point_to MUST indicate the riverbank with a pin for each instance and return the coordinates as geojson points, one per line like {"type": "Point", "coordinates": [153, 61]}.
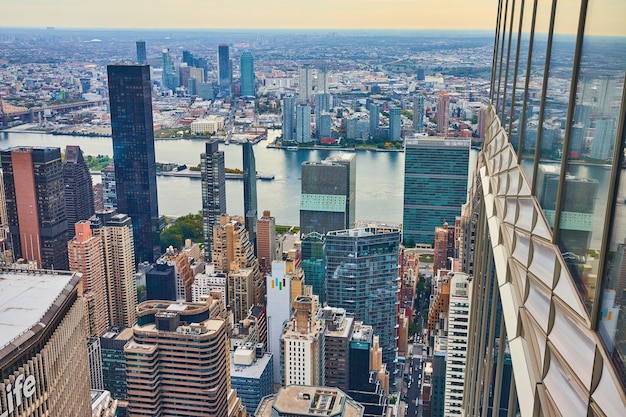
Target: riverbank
{"type": "Point", "coordinates": [333, 148]}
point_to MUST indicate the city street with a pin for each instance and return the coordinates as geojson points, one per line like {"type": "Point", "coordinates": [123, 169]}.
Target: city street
{"type": "Point", "coordinates": [414, 383]}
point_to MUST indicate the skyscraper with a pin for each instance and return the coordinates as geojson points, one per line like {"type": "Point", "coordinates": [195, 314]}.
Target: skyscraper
{"type": "Point", "coordinates": [443, 114]}
{"type": "Point", "coordinates": [166, 335]}
{"type": "Point", "coordinates": [35, 199]}
{"type": "Point", "coordinates": [418, 113]}
{"type": "Point", "coordinates": [435, 185]}
{"type": "Point", "coordinates": [44, 368]}
{"type": "Point", "coordinates": [130, 97]}
{"type": "Point", "coordinates": [314, 263]}
{"type": "Point", "coordinates": [78, 188]}
{"type": "Point", "coordinates": [361, 277]}
{"type": "Point", "coordinates": [115, 230]}
{"type": "Point", "coordinates": [395, 124]}
{"type": "Point", "coordinates": [303, 124]}
{"type": "Point", "coordinates": [305, 84]}
{"type": "Point", "coordinates": [170, 77]}
{"type": "Point", "coordinates": [141, 52]}
{"type": "Point", "coordinates": [550, 302]}
{"type": "Point", "coordinates": [247, 75]}
{"type": "Point", "coordinates": [266, 241]}
{"type": "Point", "coordinates": [224, 71]}
{"type": "Point", "coordinates": [303, 333]}
{"type": "Point", "coordinates": [327, 201]}
{"type": "Point", "coordinates": [374, 110]}
{"type": "Point", "coordinates": [289, 104]}
{"type": "Point", "coordinates": [109, 190]}
{"type": "Point", "coordinates": [249, 191]}
{"type": "Point", "coordinates": [213, 192]}
{"type": "Point", "coordinates": [86, 255]}
{"type": "Point", "coordinates": [233, 249]}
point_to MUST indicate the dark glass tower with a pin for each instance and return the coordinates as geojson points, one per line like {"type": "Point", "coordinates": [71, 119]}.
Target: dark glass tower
{"type": "Point", "coordinates": [249, 191]}
{"type": "Point", "coordinates": [314, 264]}
{"type": "Point", "coordinates": [361, 276]}
{"type": "Point", "coordinates": [133, 153]}
{"type": "Point", "coordinates": [33, 186]}
{"type": "Point", "coordinates": [328, 194]}
{"type": "Point", "coordinates": [141, 53]}
{"type": "Point", "coordinates": [435, 186]}
{"type": "Point", "coordinates": [224, 72]}
{"type": "Point", "coordinates": [78, 188]}
{"type": "Point", "coordinates": [213, 193]}
{"type": "Point", "coordinates": [247, 75]}
{"type": "Point", "coordinates": [289, 104]}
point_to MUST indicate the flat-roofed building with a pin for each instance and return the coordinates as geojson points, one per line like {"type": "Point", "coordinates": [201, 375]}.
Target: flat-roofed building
{"type": "Point", "coordinates": [44, 370]}
{"type": "Point", "coordinates": [309, 401]}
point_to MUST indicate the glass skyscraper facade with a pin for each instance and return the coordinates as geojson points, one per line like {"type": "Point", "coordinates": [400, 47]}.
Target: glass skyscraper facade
{"type": "Point", "coordinates": [314, 264]}
{"type": "Point", "coordinates": [141, 52]}
{"type": "Point", "coordinates": [435, 186]}
{"type": "Point", "coordinates": [327, 201]}
{"type": "Point", "coordinates": [247, 75]}
{"type": "Point", "coordinates": [213, 175]}
{"type": "Point", "coordinates": [303, 124]}
{"type": "Point", "coordinates": [362, 278]}
{"type": "Point", "coordinates": [224, 70]}
{"type": "Point", "coordinates": [130, 98]}
{"type": "Point", "coordinates": [289, 104]}
{"type": "Point", "coordinates": [249, 191]}
{"type": "Point", "coordinates": [548, 215]}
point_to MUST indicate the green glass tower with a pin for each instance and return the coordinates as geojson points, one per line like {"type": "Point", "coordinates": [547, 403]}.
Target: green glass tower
{"type": "Point", "coordinates": [435, 186]}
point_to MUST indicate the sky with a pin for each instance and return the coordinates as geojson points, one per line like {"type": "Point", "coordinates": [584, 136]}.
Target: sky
{"type": "Point", "coordinates": [605, 17]}
{"type": "Point", "coordinates": [253, 14]}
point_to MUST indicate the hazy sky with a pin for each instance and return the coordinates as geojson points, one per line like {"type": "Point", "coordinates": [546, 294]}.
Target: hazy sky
{"type": "Point", "coordinates": [605, 17]}
{"type": "Point", "coordinates": [216, 14]}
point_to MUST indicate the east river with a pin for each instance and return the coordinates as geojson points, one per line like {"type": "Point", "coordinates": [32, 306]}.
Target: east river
{"type": "Point", "coordinates": [379, 178]}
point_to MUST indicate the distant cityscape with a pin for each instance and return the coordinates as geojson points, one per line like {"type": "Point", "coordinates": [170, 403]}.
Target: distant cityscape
{"type": "Point", "coordinates": [491, 282]}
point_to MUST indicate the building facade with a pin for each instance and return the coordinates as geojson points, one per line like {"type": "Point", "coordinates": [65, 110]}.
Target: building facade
{"type": "Point", "coordinates": [302, 345]}
{"type": "Point", "coordinates": [116, 233]}
{"type": "Point", "coordinates": [213, 175]}
{"type": "Point", "coordinates": [247, 75]}
{"type": "Point", "coordinates": [44, 369]}
{"type": "Point", "coordinates": [362, 278]}
{"type": "Point", "coordinates": [553, 304]}
{"type": "Point", "coordinates": [157, 385]}
{"type": "Point", "coordinates": [33, 177]}
{"type": "Point", "coordinates": [418, 113]}
{"type": "Point", "coordinates": [78, 188]}
{"type": "Point", "coordinates": [141, 52]}
{"type": "Point", "coordinates": [289, 105]}
{"type": "Point", "coordinates": [133, 154]}
{"type": "Point", "coordinates": [86, 255]}
{"type": "Point", "coordinates": [395, 124]}
{"type": "Point", "coordinates": [266, 244]}
{"type": "Point", "coordinates": [303, 124]}
{"type": "Point", "coordinates": [249, 192]}
{"type": "Point", "coordinates": [327, 200]}
{"type": "Point", "coordinates": [314, 263]}
{"type": "Point", "coordinates": [435, 186]}
{"type": "Point", "coordinates": [224, 71]}
{"type": "Point", "coordinates": [443, 114]}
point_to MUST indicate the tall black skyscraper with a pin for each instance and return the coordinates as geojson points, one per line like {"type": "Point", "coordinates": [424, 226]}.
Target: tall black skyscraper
{"type": "Point", "coordinates": [130, 99]}
{"type": "Point", "coordinates": [78, 188]}
{"type": "Point", "coordinates": [213, 193]}
{"type": "Point", "coordinates": [224, 70]}
{"type": "Point", "coordinates": [249, 191]}
{"type": "Point", "coordinates": [141, 53]}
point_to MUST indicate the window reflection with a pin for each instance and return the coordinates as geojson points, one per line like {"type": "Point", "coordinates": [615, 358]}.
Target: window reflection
{"type": "Point", "coordinates": [593, 143]}
{"type": "Point", "coordinates": [535, 85]}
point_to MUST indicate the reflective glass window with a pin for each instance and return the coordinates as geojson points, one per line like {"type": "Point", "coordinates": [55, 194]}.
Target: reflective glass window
{"type": "Point", "coordinates": [598, 113]}
{"type": "Point", "coordinates": [535, 84]}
